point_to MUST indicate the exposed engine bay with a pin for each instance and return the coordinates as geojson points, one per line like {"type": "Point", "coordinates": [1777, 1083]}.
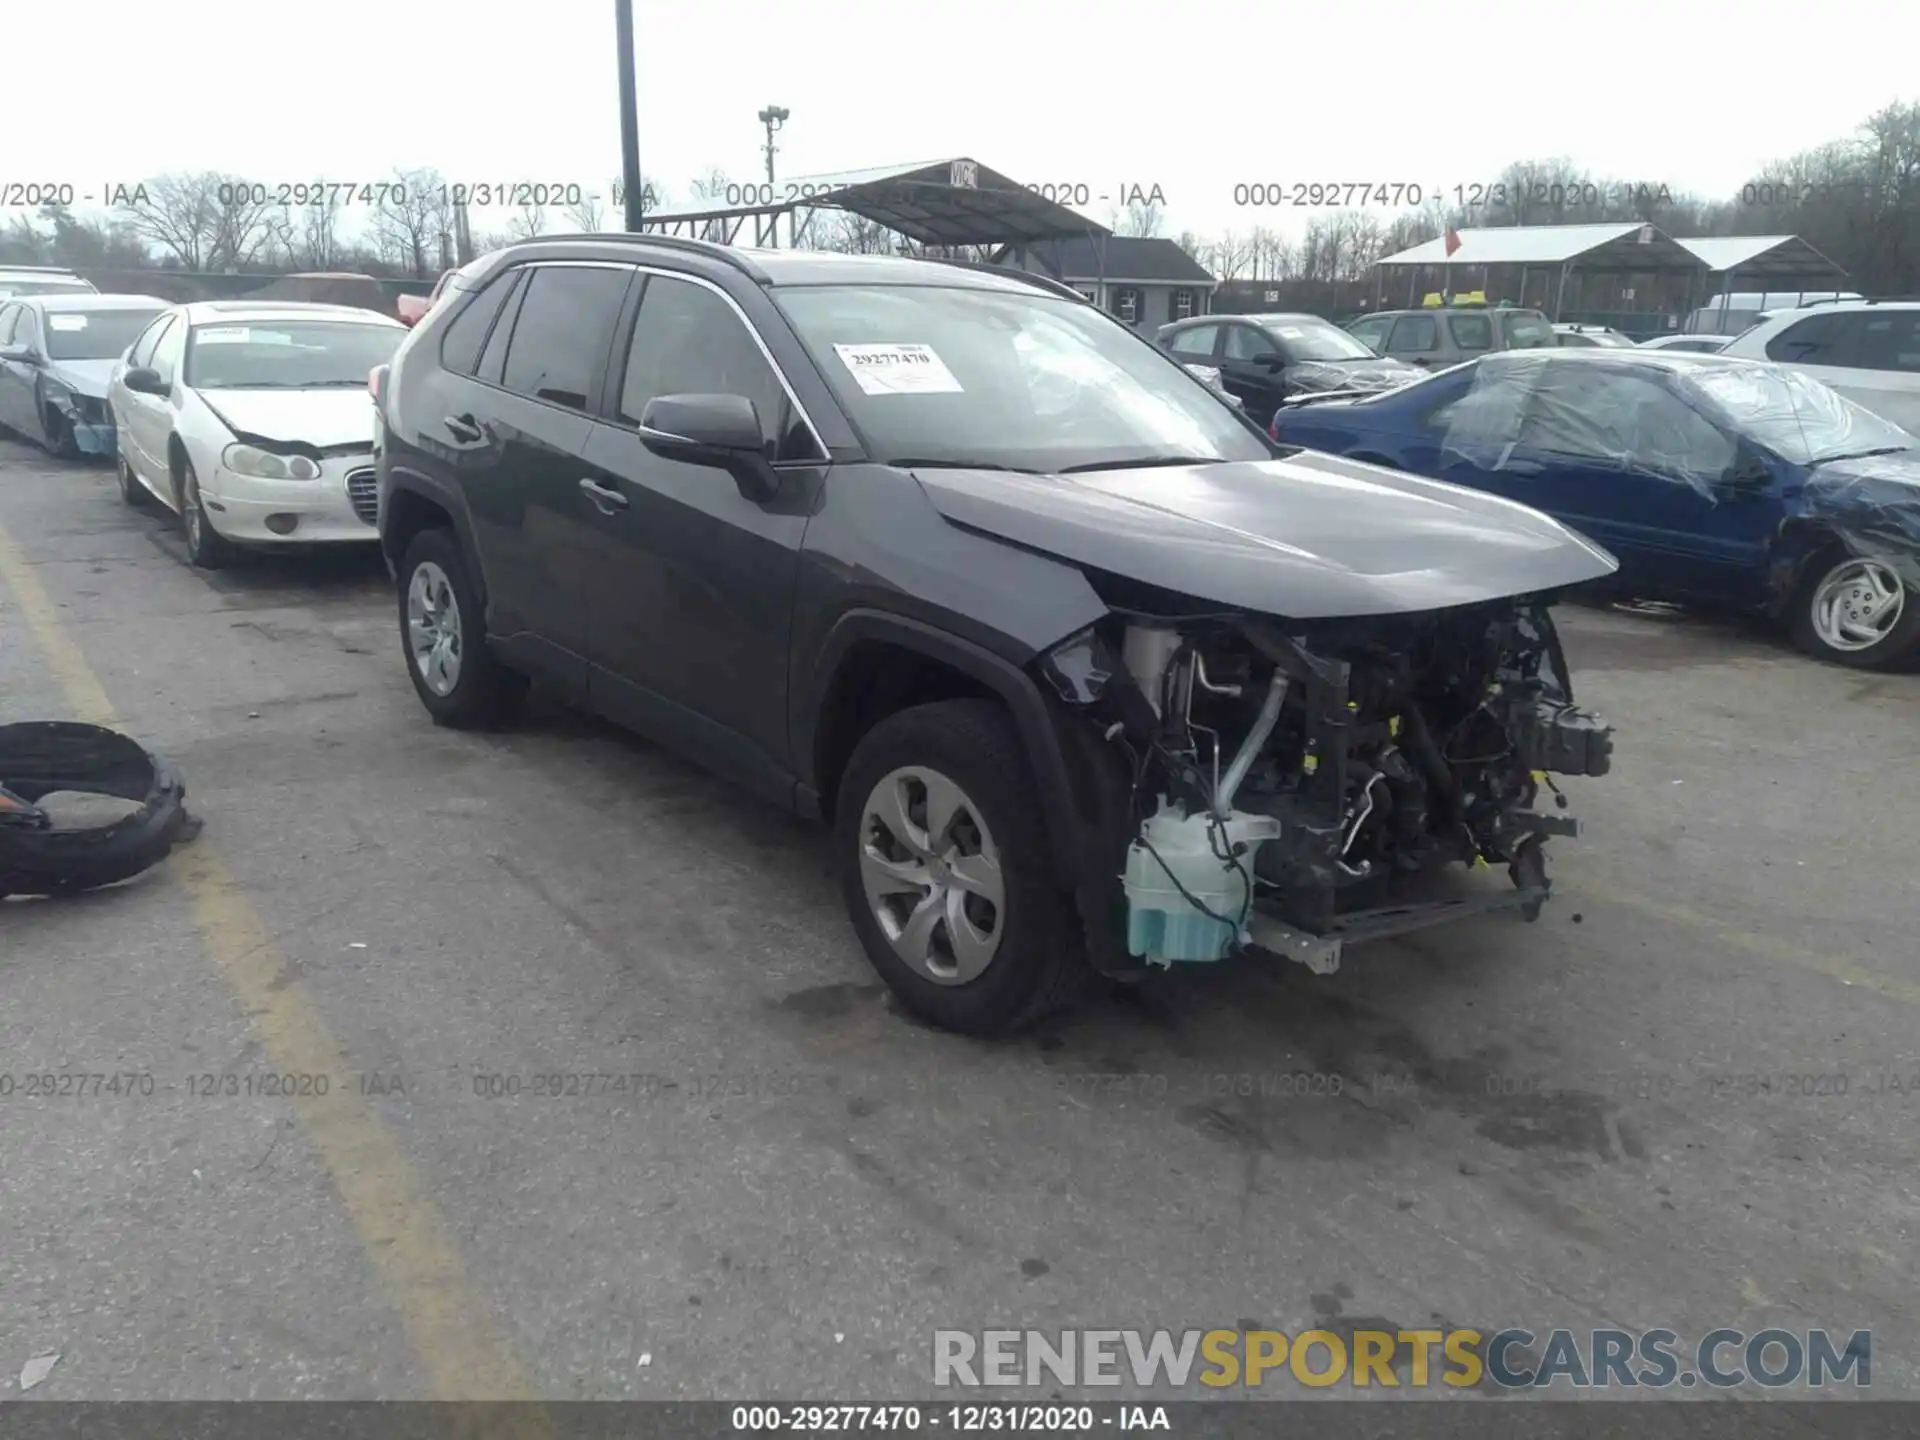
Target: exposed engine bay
{"type": "Point", "coordinates": [1290, 781]}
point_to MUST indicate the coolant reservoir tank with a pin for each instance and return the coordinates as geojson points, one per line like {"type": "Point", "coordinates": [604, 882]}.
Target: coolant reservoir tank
{"type": "Point", "coordinates": [1164, 925]}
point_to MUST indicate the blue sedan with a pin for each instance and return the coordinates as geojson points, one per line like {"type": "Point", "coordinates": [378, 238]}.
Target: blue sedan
{"type": "Point", "coordinates": [1715, 482]}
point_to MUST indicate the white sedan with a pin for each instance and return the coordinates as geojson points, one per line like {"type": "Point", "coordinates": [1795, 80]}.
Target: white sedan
{"type": "Point", "coordinates": [253, 422]}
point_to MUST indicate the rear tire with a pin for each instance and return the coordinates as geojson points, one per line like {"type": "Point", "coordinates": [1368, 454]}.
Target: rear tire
{"type": "Point", "coordinates": [1840, 603]}
{"type": "Point", "coordinates": [457, 678]}
{"type": "Point", "coordinates": [1036, 963]}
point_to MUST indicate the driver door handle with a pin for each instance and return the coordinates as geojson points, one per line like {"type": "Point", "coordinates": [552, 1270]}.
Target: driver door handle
{"type": "Point", "coordinates": [607, 499]}
{"type": "Point", "coordinates": [461, 427]}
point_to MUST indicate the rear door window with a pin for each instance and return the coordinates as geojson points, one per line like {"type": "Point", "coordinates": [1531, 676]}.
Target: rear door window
{"type": "Point", "coordinates": [1196, 343]}
{"type": "Point", "coordinates": [1817, 340]}
{"type": "Point", "coordinates": [560, 337]}
{"type": "Point", "coordinates": [460, 350]}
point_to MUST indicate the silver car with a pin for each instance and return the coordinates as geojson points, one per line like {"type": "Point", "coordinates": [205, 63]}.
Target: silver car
{"type": "Point", "coordinates": [253, 421]}
{"type": "Point", "coordinates": [1436, 337]}
{"type": "Point", "coordinates": [57, 353]}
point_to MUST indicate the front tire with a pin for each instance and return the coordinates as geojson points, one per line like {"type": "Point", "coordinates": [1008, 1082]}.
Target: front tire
{"type": "Point", "coordinates": [60, 442]}
{"type": "Point", "coordinates": [947, 873]}
{"type": "Point", "coordinates": [131, 490]}
{"type": "Point", "coordinates": [443, 636]}
{"type": "Point", "coordinates": [1856, 611]}
{"type": "Point", "coordinates": [207, 548]}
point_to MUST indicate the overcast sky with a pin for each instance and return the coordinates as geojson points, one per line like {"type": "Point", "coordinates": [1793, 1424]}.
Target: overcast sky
{"type": "Point", "coordinates": [1194, 97]}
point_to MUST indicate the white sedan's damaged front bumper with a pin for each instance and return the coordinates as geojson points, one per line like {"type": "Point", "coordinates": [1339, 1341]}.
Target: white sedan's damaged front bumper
{"type": "Point", "coordinates": [340, 506]}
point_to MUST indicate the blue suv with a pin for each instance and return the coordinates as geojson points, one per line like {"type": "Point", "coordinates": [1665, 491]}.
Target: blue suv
{"type": "Point", "coordinates": [1715, 482]}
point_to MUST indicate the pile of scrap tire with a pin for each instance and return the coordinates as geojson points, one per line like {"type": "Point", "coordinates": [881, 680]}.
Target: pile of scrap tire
{"type": "Point", "coordinates": [39, 855]}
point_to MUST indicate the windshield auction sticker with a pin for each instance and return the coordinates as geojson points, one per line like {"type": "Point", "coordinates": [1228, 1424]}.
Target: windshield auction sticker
{"type": "Point", "coordinates": [67, 322]}
{"type": "Point", "coordinates": [223, 335]}
{"type": "Point", "coordinates": [898, 369]}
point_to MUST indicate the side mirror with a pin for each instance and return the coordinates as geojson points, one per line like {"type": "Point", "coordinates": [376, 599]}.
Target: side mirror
{"type": "Point", "coordinates": [1747, 474]}
{"type": "Point", "coordinates": [20, 354]}
{"type": "Point", "coordinates": [144, 381]}
{"type": "Point", "coordinates": [1272, 360]}
{"type": "Point", "coordinates": [721, 431]}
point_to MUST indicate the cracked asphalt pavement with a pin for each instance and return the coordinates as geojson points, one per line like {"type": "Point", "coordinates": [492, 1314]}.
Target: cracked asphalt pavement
{"type": "Point", "coordinates": [1689, 1096]}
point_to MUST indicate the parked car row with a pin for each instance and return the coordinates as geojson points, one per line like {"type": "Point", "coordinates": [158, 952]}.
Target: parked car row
{"type": "Point", "coordinates": [249, 419]}
{"type": "Point", "coordinates": [1715, 481]}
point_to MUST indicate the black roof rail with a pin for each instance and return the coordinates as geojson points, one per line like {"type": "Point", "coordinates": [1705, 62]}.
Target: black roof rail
{"type": "Point", "coordinates": [1042, 282]}
{"type": "Point", "coordinates": [712, 249]}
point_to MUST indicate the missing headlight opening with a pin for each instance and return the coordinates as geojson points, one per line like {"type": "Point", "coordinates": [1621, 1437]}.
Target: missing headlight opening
{"type": "Point", "coordinates": [1296, 788]}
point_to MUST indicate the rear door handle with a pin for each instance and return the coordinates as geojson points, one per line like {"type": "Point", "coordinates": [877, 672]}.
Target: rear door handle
{"type": "Point", "coordinates": [461, 427]}
{"type": "Point", "coordinates": [608, 500]}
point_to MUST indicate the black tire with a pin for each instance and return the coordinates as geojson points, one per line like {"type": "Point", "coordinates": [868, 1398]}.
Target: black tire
{"type": "Point", "coordinates": [1040, 964]}
{"type": "Point", "coordinates": [486, 693]}
{"type": "Point", "coordinates": [1897, 645]}
{"type": "Point", "coordinates": [207, 548]}
{"type": "Point", "coordinates": [131, 490]}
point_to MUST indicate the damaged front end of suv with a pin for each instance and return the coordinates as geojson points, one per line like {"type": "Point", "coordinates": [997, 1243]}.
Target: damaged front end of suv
{"type": "Point", "coordinates": [1289, 786]}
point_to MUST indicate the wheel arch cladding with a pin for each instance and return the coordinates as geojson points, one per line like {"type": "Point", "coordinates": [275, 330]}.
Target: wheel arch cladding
{"type": "Point", "coordinates": [410, 505]}
{"type": "Point", "coordinates": [873, 664]}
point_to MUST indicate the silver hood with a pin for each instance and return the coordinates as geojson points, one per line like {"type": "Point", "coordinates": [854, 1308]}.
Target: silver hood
{"type": "Point", "coordinates": [83, 377]}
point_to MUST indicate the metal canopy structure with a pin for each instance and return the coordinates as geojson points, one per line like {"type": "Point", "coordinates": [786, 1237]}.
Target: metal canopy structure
{"type": "Point", "coordinates": [1764, 257]}
{"type": "Point", "coordinates": [1628, 248]}
{"type": "Point", "coordinates": [1620, 247]}
{"type": "Point", "coordinates": [938, 203]}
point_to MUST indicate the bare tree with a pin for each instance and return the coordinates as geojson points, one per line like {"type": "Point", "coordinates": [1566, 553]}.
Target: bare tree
{"type": "Point", "coordinates": [710, 185]}
{"type": "Point", "coordinates": [412, 214]}
{"type": "Point", "coordinates": [203, 219]}
{"type": "Point", "coordinates": [528, 221]}
{"type": "Point", "coordinates": [308, 236]}
{"type": "Point", "coordinates": [1138, 219]}
{"type": "Point", "coordinates": [587, 215]}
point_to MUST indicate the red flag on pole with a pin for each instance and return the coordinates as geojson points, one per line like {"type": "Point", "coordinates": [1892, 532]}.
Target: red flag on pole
{"type": "Point", "coordinates": [1452, 241]}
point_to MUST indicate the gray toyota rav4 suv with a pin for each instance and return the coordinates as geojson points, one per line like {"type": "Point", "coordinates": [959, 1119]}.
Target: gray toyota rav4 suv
{"type": "Point", "coordinates": [1086, 675]}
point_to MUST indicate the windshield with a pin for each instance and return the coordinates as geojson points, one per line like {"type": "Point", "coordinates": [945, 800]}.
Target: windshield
{"type": "Point", "coordinates": [1307, 339]}
{"type": "Point", "coordinates": [1019, 380]}
{"type": "Point", "coordinates": [1610, 340]}
{"type": "Point", "coordinates": [95, 334]}
{"type": "Point", "coordinates": [1795, 415]}
{"type": "Point", "coordinates": [288, 354]}
{"type": "Point", "coordinates": [1529, 331]}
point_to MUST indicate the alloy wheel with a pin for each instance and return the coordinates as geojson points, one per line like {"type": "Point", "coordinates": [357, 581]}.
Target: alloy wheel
{"type": "Point", "coordinates": [1857, 605]}
{"type": "Point", "coordinates": [932, 875]}
{"type": "Point", "coordinates": [433, 627]}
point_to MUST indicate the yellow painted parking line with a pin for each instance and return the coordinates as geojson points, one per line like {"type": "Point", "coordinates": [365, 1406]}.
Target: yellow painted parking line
{"type": "Point", "coordinates": [1831, 964]}
{"type": "Point", "coordinates": [408, 1241]}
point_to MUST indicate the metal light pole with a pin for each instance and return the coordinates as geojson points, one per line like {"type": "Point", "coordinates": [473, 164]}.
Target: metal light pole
{"type": "Point", "coordinates": [629, 116]}
{"type": "Point", "coordinates": [773, 117]}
